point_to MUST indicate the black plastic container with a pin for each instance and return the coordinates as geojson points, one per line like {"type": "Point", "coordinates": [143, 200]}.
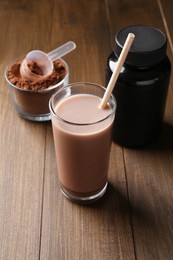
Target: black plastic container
{"type": "Point", "coordinates": [142, 86]}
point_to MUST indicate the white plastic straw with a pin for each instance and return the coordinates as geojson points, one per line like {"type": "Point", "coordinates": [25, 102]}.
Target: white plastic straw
{"type": "Point", "coordinates": [117, 70]}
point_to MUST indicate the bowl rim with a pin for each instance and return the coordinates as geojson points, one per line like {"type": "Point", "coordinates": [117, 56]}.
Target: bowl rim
{"type": "Point", "coordinates": [37, 90]}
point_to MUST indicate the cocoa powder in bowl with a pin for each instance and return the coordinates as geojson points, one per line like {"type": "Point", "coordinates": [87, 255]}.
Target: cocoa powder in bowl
{"type": "Point", "coordinates": [31, 99]}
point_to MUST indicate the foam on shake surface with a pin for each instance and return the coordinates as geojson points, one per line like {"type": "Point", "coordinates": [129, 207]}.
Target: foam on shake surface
{"type": "Point", "coordinates": [82, 109]}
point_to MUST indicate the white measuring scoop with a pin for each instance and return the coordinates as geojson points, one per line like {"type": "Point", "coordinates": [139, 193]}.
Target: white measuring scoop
{"type": "Point", "coordinates": [43, 61]}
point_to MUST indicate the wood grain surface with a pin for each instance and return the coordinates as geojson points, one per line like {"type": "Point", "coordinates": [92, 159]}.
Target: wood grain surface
{"type": "Point", "coordinates": [134, 220]}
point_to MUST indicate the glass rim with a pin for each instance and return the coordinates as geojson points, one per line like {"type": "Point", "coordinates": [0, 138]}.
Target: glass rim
{"type": "Point", "coordinates": [37, 90]}
{"type": "Point", "coordinates": [52, 110]}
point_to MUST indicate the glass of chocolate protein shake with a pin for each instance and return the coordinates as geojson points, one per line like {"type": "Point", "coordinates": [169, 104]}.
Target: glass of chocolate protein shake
{"type": "Point", "coordinates": [82, 138]}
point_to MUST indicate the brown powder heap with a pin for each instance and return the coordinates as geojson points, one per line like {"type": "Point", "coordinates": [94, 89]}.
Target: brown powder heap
{"type": "Point", "coordinates": [57, 75]}
{"type": "Point", "coordinates": [34, 68]}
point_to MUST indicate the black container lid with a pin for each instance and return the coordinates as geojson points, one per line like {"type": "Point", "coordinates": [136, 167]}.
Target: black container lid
{"type": "Point", "coordinates": [148, 48]}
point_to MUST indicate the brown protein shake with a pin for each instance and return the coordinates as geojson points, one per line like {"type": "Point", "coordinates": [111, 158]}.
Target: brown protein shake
{"type": "Point", "coordinates": [82, 137]}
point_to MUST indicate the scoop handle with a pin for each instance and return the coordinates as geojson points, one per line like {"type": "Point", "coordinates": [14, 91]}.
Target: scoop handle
{"type": "Point", "coordinates": [62, 50]}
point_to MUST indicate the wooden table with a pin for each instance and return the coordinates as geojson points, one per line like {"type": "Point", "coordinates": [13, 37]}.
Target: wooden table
{"type": "Point", "coordinates": [134, 220]}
